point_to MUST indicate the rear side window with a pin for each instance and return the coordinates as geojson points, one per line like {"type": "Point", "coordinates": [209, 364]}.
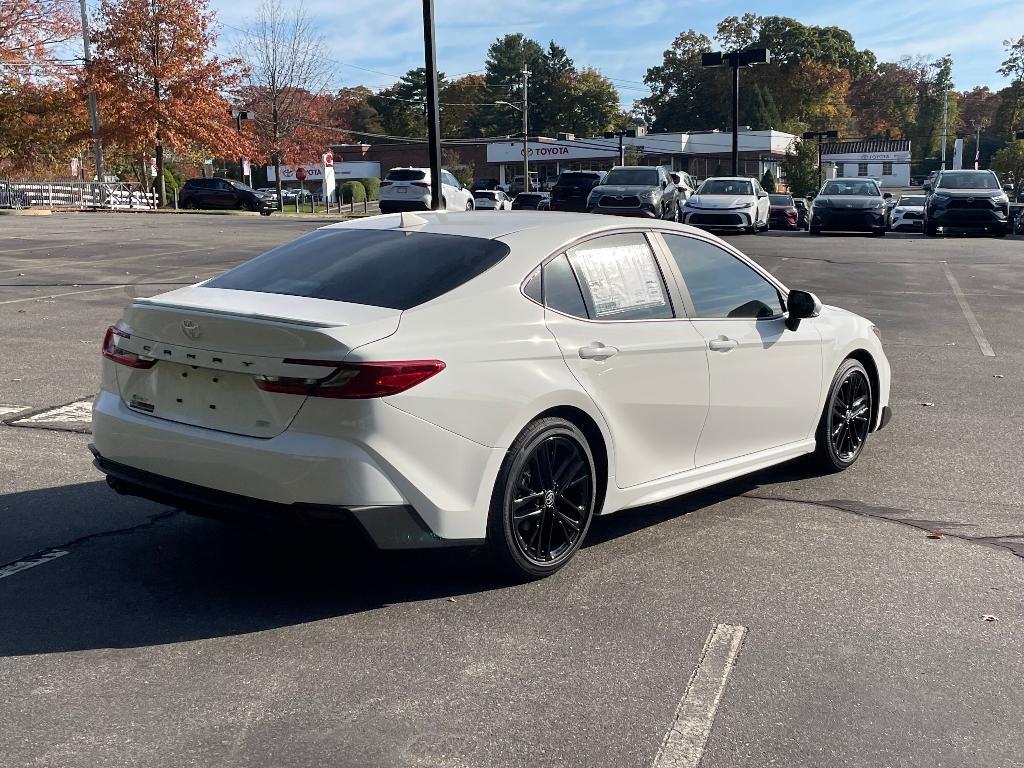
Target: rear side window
{"type": "Point", "coordinates": [621, 279]}
{"type": "Point", "coordinates": [721, 285]}
{"type": "Point", "coordinates": [561, 291]}
{"type": "Point", "coordinates": [381, 268]}
{"type": "Point", "coordinates": [406, 174]}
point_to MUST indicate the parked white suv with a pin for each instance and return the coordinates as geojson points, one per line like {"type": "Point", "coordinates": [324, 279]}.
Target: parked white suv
{"type": "Point", "coordinates": [408, 189]}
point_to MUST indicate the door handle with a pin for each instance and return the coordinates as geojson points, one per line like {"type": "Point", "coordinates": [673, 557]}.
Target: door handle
{"type": "Point", "coordinates": [597, 351]}
{"type": "Point", "coordinates": [723, 344]}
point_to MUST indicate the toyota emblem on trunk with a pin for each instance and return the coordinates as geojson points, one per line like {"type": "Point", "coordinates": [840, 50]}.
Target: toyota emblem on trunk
{"type": "Point", "coordinates": [191, 329]}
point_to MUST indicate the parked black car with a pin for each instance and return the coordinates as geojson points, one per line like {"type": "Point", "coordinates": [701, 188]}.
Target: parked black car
{"type": "Point", "coordinates": [529, 201]}
{"type": "Point", "coordinates": [967, 200]}
{"type": "Point", "coordinates": [224, 193]}
{"type": "Point", "coordinates": [849, 205]}
{"type": "Point", "coordinates": [572, 189]}
{"type": "Point", "coordinates": [636, 190]}
{"type": "Point", "coordinates": [484, 184]}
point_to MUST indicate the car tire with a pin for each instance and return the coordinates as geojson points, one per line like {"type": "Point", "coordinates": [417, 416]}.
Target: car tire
{"type": "Point", "coordinates": [190, 205]}
{"type": "Point", "coordinates": [930, 230]}
{"type": "Point", "coordinates": [879, 233]}
{"type": "Point", "coordinates": [543, 501]}
{"type": "Point", "coordinates": [469, 205]}
{"type": "Point", "coordinates": [814, 230]}
{"type": "Point", "coordinates": [846, 419]}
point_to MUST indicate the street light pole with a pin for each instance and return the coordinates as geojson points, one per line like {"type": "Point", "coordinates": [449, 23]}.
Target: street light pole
{"type": "Point", "coordinates": [526, 134]}
{"type": "Point", "coordinates": [433, 113]}
{"type": "Point", "coordinates": [736, 59]}
{"type": "Point", "coordinates": [820, 136]}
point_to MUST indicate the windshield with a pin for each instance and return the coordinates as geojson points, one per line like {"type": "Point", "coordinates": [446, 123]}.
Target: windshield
{"type": "Point", "coordinates": [780, 199]}
{"type": "Point", "coordinates": [853, 188]}
{"type": "Point", "coordinates": [912, 200]}
{"type": "Point", "coordinates": [725, 187]}
{"type": "Point", "coordinates": [640, 177]}
{"type": "Point", "coordinates": [968, 180]}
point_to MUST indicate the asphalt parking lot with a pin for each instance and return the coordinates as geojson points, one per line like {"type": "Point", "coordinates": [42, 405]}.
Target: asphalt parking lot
{"type": "Point", "coordinates": [880, 609]}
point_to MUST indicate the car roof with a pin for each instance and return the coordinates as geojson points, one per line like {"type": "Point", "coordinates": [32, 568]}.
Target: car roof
{"type": "Point", "coordinates": [729, 178]}
{"type": "Point", "coordinates": [560, 226]}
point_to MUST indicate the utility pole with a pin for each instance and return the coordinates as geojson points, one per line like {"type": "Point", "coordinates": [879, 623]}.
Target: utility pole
{"type": "Point", "coordinates": [977, 146]}
{"type": "Point", "coordinates": [945, 126]}
{"type": "Point", "coordinates": [736, 59]}
{"type": "Point", "coordinates": [94, 113]}
{"type": "Point", "coordinates": [433, 113]}
{"type": "Point", "coordinates": [526, 131]}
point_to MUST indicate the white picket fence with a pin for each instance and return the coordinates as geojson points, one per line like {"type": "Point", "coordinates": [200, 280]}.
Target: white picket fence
{"type": "Point", "coordinates": [75, 195]}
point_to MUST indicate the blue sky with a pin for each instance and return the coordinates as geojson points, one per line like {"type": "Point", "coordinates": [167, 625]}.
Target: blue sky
{"type": "Point", "coordinates": [622, 38]}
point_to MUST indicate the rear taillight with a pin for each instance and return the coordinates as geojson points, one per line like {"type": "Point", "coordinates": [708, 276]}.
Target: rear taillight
{"type": "Point", "coordinates": [424, 184]}
{"type": "Point", "coordinates": [112, 350]}
{"type": "Point", "coordinates": [354, 381]}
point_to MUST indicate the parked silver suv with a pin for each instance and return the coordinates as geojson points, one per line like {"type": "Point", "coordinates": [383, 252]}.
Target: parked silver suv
{"type": "Point", "coordinates": [636, 190]}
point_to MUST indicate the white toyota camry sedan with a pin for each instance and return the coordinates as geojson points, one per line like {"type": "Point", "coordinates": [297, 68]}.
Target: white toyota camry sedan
{"type": "Point", "coordinates": [441, 379]}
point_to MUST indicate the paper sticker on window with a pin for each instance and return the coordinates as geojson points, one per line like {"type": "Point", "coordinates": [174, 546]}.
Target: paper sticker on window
{"type": "Point", "coordinates": [620, 277]}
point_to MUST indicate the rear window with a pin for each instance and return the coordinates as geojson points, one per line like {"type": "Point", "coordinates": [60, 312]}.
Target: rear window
{"type": "Point", "coordinates": [406, 174]}
{"type": "Point", "coordinates": [483, 193]}
{"type": "Point", "coordinates": [381, 268]}
{"type": "Point", "coordinates": [780, 199]}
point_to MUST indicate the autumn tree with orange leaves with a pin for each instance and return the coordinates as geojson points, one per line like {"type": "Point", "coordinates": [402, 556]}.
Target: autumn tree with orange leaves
{"type": "Point", "coordinates": [160, 86]}
{"type": "Point", "coordinates": [40, 110]}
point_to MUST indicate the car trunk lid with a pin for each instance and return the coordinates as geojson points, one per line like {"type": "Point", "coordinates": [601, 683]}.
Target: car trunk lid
{"type": "Point", "coordinates": [211, 344]}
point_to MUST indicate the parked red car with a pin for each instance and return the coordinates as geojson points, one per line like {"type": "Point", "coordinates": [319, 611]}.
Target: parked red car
{"type": "Point", "coordinates": [782, 213]}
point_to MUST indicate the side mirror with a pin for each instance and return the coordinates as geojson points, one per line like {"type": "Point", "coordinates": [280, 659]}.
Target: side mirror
{"type": "Point", "coordinates": [927, 187]}
{"type": "Point", "coordinates": [1007, 187]}
{"type": "Point", "coordinates": [887, 196]}
{"type": "Point", "coordinates": [811, 195]}
{"type": "Point", "coordinates": [664, 184]}
{"type": "Point", "coordinates": [801, 305]}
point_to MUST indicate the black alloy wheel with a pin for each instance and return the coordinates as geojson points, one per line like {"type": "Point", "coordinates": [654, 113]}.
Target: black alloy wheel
{"type": "Point", "coordinates": [543, 500]}
{"type": "Point", "coordinates": [846, 421]}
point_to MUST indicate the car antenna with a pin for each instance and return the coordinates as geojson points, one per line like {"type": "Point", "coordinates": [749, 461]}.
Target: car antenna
{"type": "Point", "coordinates": [411, 220]}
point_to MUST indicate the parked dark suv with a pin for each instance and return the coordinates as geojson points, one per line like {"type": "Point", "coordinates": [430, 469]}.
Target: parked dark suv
{"type": "Point", "coordinates": [224, 193]}
{"type": "Point", "coordinates": [572, 189]}
{"type": "Point", "coordinates": [966, 200]}
{"type": "Point", "coordinates": [636, 190]}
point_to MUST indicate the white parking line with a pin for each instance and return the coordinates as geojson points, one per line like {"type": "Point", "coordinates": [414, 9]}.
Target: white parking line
{"type": "Point", "coordinates": [24, 565]}
{"type": "Point", "coordinates": [979, 335]}
{"type": "Point", "coordinates": [684, 743]}
{"type": "Point", "coordinates": [44, 296]}
{"type": "Point", "coordinates": [73, 415]}
{"type": "Point", "coordinates": [7, 410]}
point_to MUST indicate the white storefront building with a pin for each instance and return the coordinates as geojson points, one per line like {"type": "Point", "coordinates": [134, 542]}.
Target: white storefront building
{"type": "Point", "coordinates": [885, 160]}
{"type": "Point", "coordinates": [701, 153]}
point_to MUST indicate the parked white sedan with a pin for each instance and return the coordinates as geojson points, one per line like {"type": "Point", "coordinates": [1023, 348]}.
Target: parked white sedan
{"type": "Point", "coordinates": [729, 203]}
{"type": "Point", "coordinates": [453, 378]}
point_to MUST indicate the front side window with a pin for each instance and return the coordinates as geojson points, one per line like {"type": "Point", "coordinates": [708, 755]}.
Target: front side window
{"type": "Point", "coordinates": [720, 285]}
{"type": "Point", "coordinates": [620, 279]}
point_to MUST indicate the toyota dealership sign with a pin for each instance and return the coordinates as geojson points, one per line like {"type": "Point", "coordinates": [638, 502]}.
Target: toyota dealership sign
{"type": "Point", "coordinates": [512, 151]}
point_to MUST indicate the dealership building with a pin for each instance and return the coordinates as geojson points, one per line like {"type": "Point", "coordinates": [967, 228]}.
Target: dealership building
{"type": "Point", "coordinates": [885, 160]}
{"type": "Point", "coordinates": [699, 153]}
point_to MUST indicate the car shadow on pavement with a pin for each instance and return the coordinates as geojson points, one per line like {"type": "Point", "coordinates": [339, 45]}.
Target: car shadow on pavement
{"type": "Point", "coordinates": [167, 577]}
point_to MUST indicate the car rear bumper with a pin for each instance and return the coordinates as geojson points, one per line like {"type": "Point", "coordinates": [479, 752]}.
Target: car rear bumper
{"type": "Point", "coordinates": [386, 458]}
{"type": "Point", "coordinates": [396, 526]}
